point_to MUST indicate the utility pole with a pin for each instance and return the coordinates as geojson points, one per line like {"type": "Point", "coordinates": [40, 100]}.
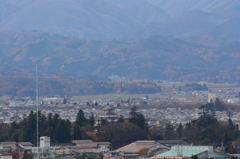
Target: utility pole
{"type": "Point", "coordinates": [37, 104]}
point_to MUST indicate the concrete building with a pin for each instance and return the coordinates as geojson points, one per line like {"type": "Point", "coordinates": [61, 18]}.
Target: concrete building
{"type": "Point", "coordinates": [45, 142]}
{"type": "Point", "coordinates": [8, 145]}
{"type": "Point", "coordinates": [108, 114]}
{"type": "Point", "coordinates": [91, 146]}
{"type": "Point", "coordinates": [25, 145]}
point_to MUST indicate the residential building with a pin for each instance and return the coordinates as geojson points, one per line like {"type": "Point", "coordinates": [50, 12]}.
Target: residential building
{"type": "Point", "coordinates": [187, 152]}
{"type": "Point", "coordinates": [170, 143]}
{"type": "Point", "coordinates": [45, 142]}
{"type": "Point", "coordinates": [137, 149]}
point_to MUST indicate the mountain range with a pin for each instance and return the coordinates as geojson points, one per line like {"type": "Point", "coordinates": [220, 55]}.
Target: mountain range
{"type": "Point", "coordinates": [179, 40]}
{"type": "Point", "coordinates": [89, 19]}
{"type": "Point", "coordinates": [152, 58]}
{"type": "Point", "coordinates": [108, 19]}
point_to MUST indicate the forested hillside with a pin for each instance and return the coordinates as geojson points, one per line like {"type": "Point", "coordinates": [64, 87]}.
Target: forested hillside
{"type": "Point", "coordinates": [152, 58]}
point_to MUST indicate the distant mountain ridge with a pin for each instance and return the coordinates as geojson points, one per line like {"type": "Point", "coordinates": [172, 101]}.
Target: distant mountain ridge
{"type": "Point", "coordinates": [206, 19]}
{"type": "Point", "coordinates": [185, 40]}
{"type": "Point", "coordinates": [174, 7]}
{"type": "Point", "coordinates": [153, 58]}
{"type": "Point", "coordinates": [107, 19]}
{"type": "Point", "coordinates": [54, 85]}
{"type": "Point", "coordinates": [89, 19]}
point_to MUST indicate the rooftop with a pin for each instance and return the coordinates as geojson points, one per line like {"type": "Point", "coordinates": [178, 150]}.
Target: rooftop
{"type": "Point", "coordinates": [137, 146]}
{"type": "Point", "coordinates": [185, 151]}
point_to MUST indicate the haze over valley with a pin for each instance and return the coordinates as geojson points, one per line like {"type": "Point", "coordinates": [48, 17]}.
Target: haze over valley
{"type": "Point", "coordinates": [174, 40]}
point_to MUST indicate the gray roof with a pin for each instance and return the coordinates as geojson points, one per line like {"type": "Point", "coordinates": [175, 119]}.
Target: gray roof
{"type": "Point", "coordinates": [172, 142]}
{"type": "Point", "coordinates": [25, 143]}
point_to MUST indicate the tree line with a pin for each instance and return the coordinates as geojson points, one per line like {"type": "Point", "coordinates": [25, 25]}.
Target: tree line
{"type": "Point", "coordinates": [206, 130]}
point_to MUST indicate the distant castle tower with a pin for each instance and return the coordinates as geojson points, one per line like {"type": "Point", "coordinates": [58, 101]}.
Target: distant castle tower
{"type": "Point", "coordinates": [212, 97]}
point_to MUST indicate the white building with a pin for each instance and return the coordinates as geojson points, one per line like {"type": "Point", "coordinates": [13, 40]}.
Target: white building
{"type": "Point", "coordinates": [107, 114]}
{"type": "Point", "coordinates": [103, 146]}
{"type": "Point", "coordinates": [6, 156]}
{"type": "Point", "coordinates": [45, 142]}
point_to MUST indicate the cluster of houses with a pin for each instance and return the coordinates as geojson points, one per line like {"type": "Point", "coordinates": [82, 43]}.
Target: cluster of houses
{"type": "Point", "coordinates": [143, 149]}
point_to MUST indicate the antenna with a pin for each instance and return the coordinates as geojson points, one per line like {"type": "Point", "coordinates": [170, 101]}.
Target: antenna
{"type": "Point", "coordinates": [37, 110]}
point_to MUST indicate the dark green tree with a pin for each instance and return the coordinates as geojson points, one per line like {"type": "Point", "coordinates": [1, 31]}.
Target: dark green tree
{"type": "Point", "coordinates": [80, 119]}
{"type": "Point", "coordinates": [194, 157]}
{"type": "Point", "coordinates": [80, 122]}
{"type": "Point", "coordinates": [219, 105]}
{"type": "Point", "coordinates": [27, 155]}
{"type": "Point", "coordinates": [137, 118]}
{"type": "Point", "coordinates": [92, 120]}
{"type": "Point", "coordinates": [169, 131]}
{"type": "Point", "coordinates": [121, 119]}
{"type": "Point", "coordinates": [120, 134]}
{"type": "Point", "coordinates": [179, 131]}
{"type": "Point", "coordinates": [63, 131]}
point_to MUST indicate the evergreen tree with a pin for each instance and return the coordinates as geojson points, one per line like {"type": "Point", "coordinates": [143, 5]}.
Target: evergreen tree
{"type": "Point", "coordinates": [219, 105]}
{"type": "Point", "coordinates": [63, 131]}
{"type": "Point", "coordinates": [121, 119]}
{"type": "Point", "coordinates": [137, 118]}
{"type": "Point", "coordinates": [120, 134]}
{"type": "Point", "coordinates": [194, 157]}
{"type": "Point", "coordinates": [80, 120]}
{"type": "Point", "coordinates": [78, 125]}
{"type": "Point", "coordinates": [77, 132]}
{"type": "Point", "coordinates": [179, 131]}
{"type": "Point", "coordinates": [104, 122]}
{"type": "Point", "coordinates": [27, 155]}
{"type": "Point", "coordinates": [92, 120]}
{"type": "Point", "coordinates": [65, 100]}
{"type": "Point", "coordinates": [169, 131]}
